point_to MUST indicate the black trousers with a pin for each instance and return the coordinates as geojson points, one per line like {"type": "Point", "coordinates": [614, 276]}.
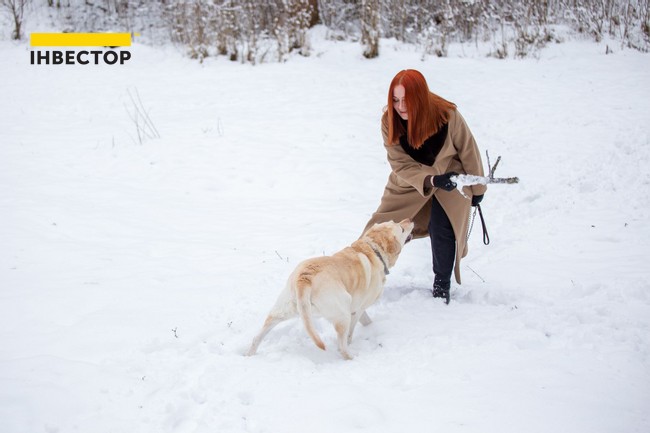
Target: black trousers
{"type": "Point", "coordinates": [443, 244]}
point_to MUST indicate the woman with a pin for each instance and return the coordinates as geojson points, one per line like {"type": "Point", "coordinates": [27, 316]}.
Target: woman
{"type": "Point", "coordinates": [427, 142]}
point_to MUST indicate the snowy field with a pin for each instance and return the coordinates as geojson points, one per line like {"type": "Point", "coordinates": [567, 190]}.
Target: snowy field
{"type": "Point", "coordinates": [134, 276]}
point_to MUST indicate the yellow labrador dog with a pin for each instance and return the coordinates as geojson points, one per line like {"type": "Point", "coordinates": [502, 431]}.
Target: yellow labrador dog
{"type": "Point", "coordinates": [340, 287]}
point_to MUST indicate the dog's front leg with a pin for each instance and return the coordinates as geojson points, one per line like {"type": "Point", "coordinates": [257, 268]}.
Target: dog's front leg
{"type": "Point", "coordinates": [354, 319]}
{"type": "Point", "coordinates": [365, 319]}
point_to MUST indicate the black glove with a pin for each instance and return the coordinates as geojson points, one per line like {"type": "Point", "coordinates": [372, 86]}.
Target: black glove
{"type": "Point", "coordinates": [476, 199]}
{"type": "Point", "coordinates": [443, 181]}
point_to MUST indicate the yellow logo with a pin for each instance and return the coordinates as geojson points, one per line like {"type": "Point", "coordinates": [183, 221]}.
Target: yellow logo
{"type": "Point", "coordinates": [81, 57]}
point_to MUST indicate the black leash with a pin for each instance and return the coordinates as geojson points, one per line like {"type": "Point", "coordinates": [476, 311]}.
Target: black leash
{"type": "Point", "coordinates": [486, 236]}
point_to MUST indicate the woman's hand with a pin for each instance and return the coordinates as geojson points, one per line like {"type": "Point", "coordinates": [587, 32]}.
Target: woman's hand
{"type": "Point", "coordinates": [443, 181]}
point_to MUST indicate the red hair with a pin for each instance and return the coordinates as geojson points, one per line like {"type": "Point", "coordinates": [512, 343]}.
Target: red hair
{"type": "Point", "coordinates": [427, 112]}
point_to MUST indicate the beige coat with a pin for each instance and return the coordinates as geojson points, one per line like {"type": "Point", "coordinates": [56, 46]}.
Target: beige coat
{"type": "Point", "coordinates": [405, 195]}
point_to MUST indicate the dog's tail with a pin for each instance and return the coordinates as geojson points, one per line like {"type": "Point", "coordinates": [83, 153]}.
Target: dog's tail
{"type": "Point", "coordinates": [303, 303]}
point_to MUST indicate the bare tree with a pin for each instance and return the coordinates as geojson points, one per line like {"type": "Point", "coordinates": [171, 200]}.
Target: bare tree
{"type": "Point", "coordinates": [15, 8]}
{"type": "Point", "coordinates": [370, 28]}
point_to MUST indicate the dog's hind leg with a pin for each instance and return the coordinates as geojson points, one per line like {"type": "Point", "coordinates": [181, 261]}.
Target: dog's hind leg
{"type": "Point", "coordinates": [283, 309]}
{"type": "Point", "coordinates": [342, 334]}
{"type": "Point", "coordinates": [336, 308]}
{"type": "Point", "coordinates": [271, 322]}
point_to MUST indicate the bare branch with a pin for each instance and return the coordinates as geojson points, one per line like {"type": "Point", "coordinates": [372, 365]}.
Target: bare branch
{"type": "Point", "coordinates": [463, 180]}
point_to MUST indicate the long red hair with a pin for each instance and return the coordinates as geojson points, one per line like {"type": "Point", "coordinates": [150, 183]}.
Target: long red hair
{"type": "Point", "coordinates": [427, 112]}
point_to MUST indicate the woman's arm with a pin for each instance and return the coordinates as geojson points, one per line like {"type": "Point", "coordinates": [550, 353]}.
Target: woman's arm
{"type": "Point", "coordinates": [468, 152]}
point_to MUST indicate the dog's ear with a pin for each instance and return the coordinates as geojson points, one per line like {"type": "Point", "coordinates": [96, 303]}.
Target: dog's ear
{"type": "Point", "coordinates": [385, 239]}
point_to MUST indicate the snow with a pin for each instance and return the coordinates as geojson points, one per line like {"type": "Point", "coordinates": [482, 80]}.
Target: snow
{"type": "Point", "coordinates": [134, 276]}
{"type": "Point", "coordinates": [463, 180]}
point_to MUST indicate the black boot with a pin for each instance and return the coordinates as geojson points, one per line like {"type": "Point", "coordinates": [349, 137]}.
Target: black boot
{"type": "Point", "coordinates": [441, 290]}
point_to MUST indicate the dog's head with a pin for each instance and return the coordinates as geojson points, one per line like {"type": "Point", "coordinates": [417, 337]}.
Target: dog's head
{"type": "Point", "coordinates": [390, 237]}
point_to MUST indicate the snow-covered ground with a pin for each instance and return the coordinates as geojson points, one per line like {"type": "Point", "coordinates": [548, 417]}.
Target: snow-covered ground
{"type": "Point", "coordinates": [134, 276]}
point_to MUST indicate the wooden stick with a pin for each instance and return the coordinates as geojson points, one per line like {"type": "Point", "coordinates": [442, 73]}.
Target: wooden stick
{"type": "Point", "coordinates": [463, 180]}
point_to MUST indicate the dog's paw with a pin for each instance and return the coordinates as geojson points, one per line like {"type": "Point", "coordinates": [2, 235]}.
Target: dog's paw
{"type": "Point", "coordinates": [346, 355]}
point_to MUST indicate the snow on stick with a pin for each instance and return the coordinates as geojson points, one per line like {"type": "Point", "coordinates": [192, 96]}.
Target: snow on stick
{"type": "Point", "coordinates": [463, 180]}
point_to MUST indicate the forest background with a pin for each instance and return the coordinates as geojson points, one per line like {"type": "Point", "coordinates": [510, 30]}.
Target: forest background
{"type": "Point", "coordinates": [252, 31]}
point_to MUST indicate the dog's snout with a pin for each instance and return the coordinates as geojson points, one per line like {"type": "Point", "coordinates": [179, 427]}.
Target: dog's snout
{"type": "Point", "coordinates": [407, 224]}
